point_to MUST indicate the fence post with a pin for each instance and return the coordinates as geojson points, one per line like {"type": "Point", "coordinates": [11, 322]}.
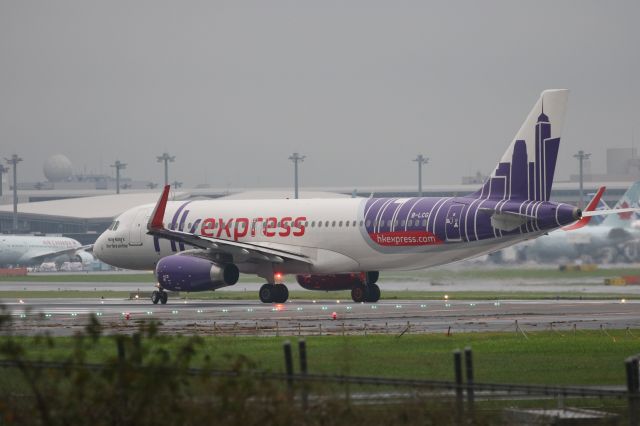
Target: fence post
{"type": "Point", "coordinates": [120, 345]}
{"type": "Point", "coordinates": [457, 367]}
{"type": "Point", "coordinates": [302, 349]}
{"type": "Point", "coordinates": [288, 363]}
{"type": "Point", "coordinates": [468, 361]}
{"type": "Point", "coordinates": [137, 348]}
{"type": "Point", "coordinates": [631, 365]}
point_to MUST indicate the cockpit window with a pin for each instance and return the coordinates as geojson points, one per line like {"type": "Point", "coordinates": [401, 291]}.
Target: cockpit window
{"type": "Point", "coordinates": [115, 227]}
{"type": "Point", "coordinates": [110, 228]}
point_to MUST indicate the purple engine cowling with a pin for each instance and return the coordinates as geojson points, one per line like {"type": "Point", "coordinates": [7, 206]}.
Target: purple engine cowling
{"type": "Point", "coordinates": [189, 273]}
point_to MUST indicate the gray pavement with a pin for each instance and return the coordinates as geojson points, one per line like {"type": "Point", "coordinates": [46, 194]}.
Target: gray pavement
{"type": "Point", "coordinates": [67, 316]}
{"type": "Point", "coordinates": [590, 286]}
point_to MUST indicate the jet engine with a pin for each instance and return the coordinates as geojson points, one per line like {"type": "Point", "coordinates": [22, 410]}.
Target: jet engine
{"type": "Point", "coordinates": [190, 273]}
{"type": "Point", "coordinates": [334, 282]}
{"type": "Point", "coordinates": [84, 257]}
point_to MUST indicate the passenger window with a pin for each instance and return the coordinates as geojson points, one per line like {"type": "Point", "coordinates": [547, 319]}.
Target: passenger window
{"type": "Point", "coordinates": [368, 223]}
{"type": "Point", "coordinates": [313, 224]}
{"type": "Point", "coordinates": [402, 222]}
{"type": "Point", "coordinates": [319, 224]}
{"type": "Point", "coordinates": [410, 222]}
{"type": "Point", "coordinates": [340, 224]}
{"type": "Point", "coordinates": [354, 223]}
{"type": "Point", "coordinates": [333, 224]}
{"type": "Point", "coordinates": [326, 223]}
{"type": "Point", "coordinates": [424, 222]}
{"type": "Point", "coordinates": [346, 223]}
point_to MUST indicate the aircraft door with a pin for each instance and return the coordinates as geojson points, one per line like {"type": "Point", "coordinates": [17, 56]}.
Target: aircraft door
{"type": "Point", "coordinates": [138, 228]}
{"type": "Point", "coordinates": [453, 223]}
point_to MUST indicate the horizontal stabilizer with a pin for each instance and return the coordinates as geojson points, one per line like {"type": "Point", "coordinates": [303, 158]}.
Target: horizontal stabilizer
{"type": "Point", "coordinates": [507, 221]}
{"type": "Point", "coordinates": [612, 211]}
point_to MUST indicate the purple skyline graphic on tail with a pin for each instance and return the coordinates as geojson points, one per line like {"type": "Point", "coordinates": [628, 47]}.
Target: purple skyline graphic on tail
{"type": "Point", "coordinates": [522, 179]}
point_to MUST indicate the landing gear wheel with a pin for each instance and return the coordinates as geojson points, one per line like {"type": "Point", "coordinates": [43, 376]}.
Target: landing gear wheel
{"type": "Point", "coordinates": [267, 293]}
{"type": "Point", "coordinates": [164, 297]}
{"type": "Point", "coordinates": [359, 293]}
{"type": "Point", "coordinates": [155, 297]}
{"type": "Point", "coordinates": [374, 293]}
{"type": "Point", "coordinates": [282, 293]}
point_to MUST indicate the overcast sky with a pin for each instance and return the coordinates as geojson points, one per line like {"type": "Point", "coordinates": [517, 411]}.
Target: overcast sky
{"type": "Point", "coordinates": [360, 87]}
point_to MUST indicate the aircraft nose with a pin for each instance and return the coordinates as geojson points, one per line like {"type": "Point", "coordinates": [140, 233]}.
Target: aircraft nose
{"type": "Point", "coordinates": [99, 249]}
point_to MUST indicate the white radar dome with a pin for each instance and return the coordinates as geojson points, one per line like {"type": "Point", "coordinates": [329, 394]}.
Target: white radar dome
{"type": "Point", "coordinates": [57, 168]}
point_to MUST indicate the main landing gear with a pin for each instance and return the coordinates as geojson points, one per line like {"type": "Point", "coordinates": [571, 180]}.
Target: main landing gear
{"type": "Point", "coordinates": [365, 293]}
{"type": "Point", "coordinates": [159, 296]}
{"type": "Point", "coordinates": [273, 293]}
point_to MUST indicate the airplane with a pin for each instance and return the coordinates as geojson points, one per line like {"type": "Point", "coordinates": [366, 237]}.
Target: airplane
{"type": "Point", "coordinates": [614, 237]}
{"type": "Point", "coordinates": [29, 250]}
{"type": "Point", "coordinates": [342, 244]}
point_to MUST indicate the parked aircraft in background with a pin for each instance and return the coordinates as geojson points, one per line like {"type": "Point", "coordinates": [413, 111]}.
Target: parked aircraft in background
{"type": "Point", "coordinates": [614, 239]}
{"type": "Point", "coordinates": [30, 250]}
{"type": "Point", "coordinates": [338, 244]}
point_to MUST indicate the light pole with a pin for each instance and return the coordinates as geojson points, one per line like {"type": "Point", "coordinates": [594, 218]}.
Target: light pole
{"type": "Point", "coordinates": [176, 184]}
{"type": "Point", "coordinates": [118, 166]}
{"type": "Point", "coordinates": [3, 170]}
{"type": "Point", "coordinates": [13, 161]}
{"type": "Point", "coordinates": [296, 158]}
{"type": "Point", "coordinates": [420, 159]}
{"type": "Point", "coordinates": [166, 158]}
{"type": "Point", "coordinates": [581, 156]}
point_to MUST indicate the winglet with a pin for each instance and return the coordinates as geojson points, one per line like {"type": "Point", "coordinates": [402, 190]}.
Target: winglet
{"type": "Point", "coordinates": [584, 220]}
{"type": "Point", "coordinates": [155, 222]}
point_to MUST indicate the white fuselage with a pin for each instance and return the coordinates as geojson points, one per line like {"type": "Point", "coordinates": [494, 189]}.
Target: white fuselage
{"type": "Point", "coordinates": [330, 232]}
{"type": "Point", "coordinates": [32, 250]}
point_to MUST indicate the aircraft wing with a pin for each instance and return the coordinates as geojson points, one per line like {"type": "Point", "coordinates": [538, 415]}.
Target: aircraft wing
{"type": "Point", "coordinates": [155, 226]}
{"type": "Point", "coordinates": [41, 257]}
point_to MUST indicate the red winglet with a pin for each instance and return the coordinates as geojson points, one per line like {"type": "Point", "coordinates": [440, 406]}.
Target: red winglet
{"type": "Point", "coordinates": [584, 221]}
{"type": "Point", "coordinates": [158, 212]}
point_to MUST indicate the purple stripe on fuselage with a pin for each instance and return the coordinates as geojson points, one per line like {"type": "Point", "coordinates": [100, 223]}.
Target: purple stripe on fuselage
{"type": "Point", "coordinates": [181, 226]}
{"type": "Point", "coordinates": [174, 221]}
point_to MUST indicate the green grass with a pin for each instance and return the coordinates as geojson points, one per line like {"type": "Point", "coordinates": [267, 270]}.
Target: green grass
{"type": "Point", "coordinates": [553, 358]}
{"type": "Point", "coordinates": [308, 295]}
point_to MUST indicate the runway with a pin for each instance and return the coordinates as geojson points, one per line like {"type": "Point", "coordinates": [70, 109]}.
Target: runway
{"type": "Point", "coordinates": [67, 316]}
{"type": "Point", "coordinates": [555, 285]}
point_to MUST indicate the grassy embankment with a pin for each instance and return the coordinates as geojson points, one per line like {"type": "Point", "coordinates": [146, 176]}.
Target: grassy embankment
{"type": "Point", "coordinates": [558, 358]}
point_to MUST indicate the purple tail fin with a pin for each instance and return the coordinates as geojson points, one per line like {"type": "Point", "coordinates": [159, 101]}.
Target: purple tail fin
{"type": "Point", "coordinates": [526, 169]}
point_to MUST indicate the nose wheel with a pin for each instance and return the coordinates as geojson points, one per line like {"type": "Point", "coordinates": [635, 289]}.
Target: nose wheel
{"type": "Point", "coordinates": [160, 296]}
{"type": "Point", "coordinates": [273, 293]}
